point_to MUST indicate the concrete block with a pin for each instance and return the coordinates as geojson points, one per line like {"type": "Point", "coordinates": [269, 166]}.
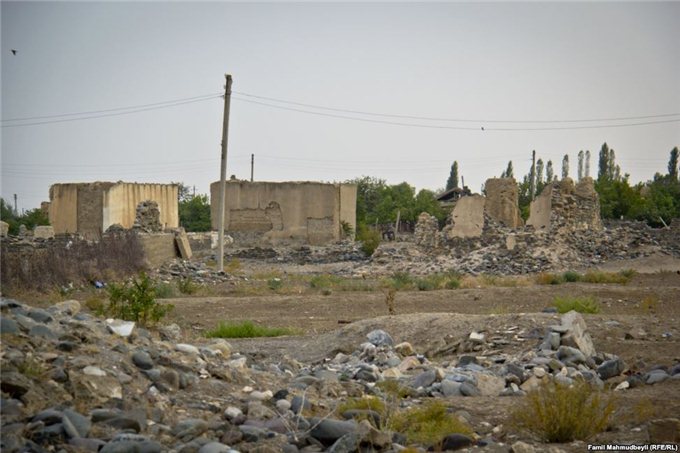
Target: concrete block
{"type": "Point", "coordinates": [183, 245]}
{"type": "Point", "coordinates": [4, 229]}
{"type": "Point", "coordinates": [43, 232]}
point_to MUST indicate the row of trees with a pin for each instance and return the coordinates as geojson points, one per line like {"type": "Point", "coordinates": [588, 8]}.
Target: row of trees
{"type": "Point", "coordinates": [14, 219]}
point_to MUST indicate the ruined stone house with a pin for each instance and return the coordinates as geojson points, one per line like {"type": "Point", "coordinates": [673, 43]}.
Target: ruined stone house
{"type": "Point", "coordinates": [285, 212]}
{"type": "Point", "coordinates": [91, 208]}
{"type": "Point", "coordinates": [563, 205]}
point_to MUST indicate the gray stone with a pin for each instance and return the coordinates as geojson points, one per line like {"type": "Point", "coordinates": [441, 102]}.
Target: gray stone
{"type": "Point", "coordinates": [189, 429]}
{"type": "Point", "coordinates": [469, 389]}
{"type": "Point", "coordinates": [93, 445]}
{"type": "Point", "coordinates": [450, 388]}
{"type": "Point", "coordinates": [425, 379]}
{"type": "Point", "coordinates": [142, 360]}
{"type": "Point", "coordinates": [570, 355]}
{"type": "Point", "coordinates": [39, 315]}
{"type": "Point", "coordinates": [456, 442]}
{"type": "Point", "coordinates": [348, 443]}
{"type": "Point", "coordinates": [124, 422]}
{"type": "Point", "coordinates": [327, 431]}
{"type": "Point", "coordinates": [298, 403]}
{"type": "Point", "coordinates": [171, 332]}
{"type": "Point", "coordinates": [8, 326]}
{"type": "Point", "coordinates": [577, 335]}
{"type": "Point", "coordinates": [656, 376]}
{"type": "Point", "coordinates": [610, 368]}
{"type": "Point", "coordinates": [80, 423]}
{"type": "Point", "coordinates": [252, 433]}
{"type": "Point", "coordinates": [42, 331]}
{"type": "Point", "coordinates": [129, 446]}
{"type": "Point", "coordinates": [379, 337]}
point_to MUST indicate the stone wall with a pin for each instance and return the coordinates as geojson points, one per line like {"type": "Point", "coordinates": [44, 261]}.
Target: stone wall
{"type": "Point", "coordinates": [502, 202]}
{"type": "Point", "coordinates": [467, 218]}
{"type": "Point", "coordinates": [158, 248]}
{"type": "Point", "coordinates": [286, 212]}
{"type": "Point", "coordinates": [427, 231]}
{"type": "Point", "coordinates": [564, 206]}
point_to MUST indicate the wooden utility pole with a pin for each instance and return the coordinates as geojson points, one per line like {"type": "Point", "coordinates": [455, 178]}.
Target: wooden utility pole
{"type": "Point", "coordinates": [252, 166]}
{"type": "Point", "coordinates": [223, 173]}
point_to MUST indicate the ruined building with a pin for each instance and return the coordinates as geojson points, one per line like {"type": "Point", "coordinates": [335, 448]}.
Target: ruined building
{"type": "Point", "coordinates": [91, 208]}
{"type": "Point", "coordinates": [285, 212]}
{"type": "Point", "coordinates": [564, 206]}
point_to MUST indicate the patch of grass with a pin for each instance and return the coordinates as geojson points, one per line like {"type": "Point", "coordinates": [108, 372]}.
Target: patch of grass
{"type": "Point", "coordinates": [452, 283]}
{"type": "Point", "coordinates": [187, 286]}
{"type": "Point", "coordinates": [607, 277]}
{"type": "Point", "coordinates": [582, 304]}
{"type": "Point", "coordinates": [559, 413]}
{"type": "Point", "coordinates": [572, 276]}
{"type": "Point", "coordinates": [548, 279]}
{"type": "Point", "coordinates": [642, 412]}
{"type": "Point", "coordinates": [486, 280]}
{"type": "Point", "coordinates": [358, 285]}
{"type": "Point", "coordinates": [233, 266]}
{"type": "Point", "coordinates": [649, 304]}
{"type": "Point", "coordinates": [164, 290]}
{"type": "Point", "coordinates": [247, 329]}
{"type": "Point", "coordinates": [275, 284]}
{"type": "Point", "coordinates": [96, 305]}
{"type": "Point", "coordinates": [325, 281]}
{"type": "Point", "coordinates": [367, 403]}
{"type": "Point", "coordinates": [628, 273]}
{"type": "Point", "coordinates": [401, 281]}
{"type": "Point", "coordinates": [428, 424]}
{"type": "Point", "coordinates": [393, 389]}
{"type": "Point", "coordinates": [31, 367]}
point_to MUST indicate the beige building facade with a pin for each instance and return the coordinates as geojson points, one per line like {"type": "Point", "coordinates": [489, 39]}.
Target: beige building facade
{"type": "Point", "coordinates": [285, 212]}
{"type": "Point", "coordinates": [91, 208]}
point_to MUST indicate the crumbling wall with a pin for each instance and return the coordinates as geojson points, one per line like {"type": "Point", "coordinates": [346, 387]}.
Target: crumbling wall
{"type": "Point", "coordinates": [305, 212]}
{"type": "Point", "coordinates": [563, 207]}
{"type": "Point", "coordinates": [64, 208]}
{"type": "Point", "coordinates": [148, 216]}
{"type": "Point", "coordinates": [122, 199]}
{"type": "Point", "coordinates": [467, 218]}
{"type": "Point", "coordinates": [427, 233]}
{"type": "Point", "coordinates": [90, 204]}
{"type": "Point", "coordinates": [502, 201]}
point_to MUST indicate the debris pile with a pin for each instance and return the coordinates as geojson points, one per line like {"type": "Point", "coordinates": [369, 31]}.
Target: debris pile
{"type": "Point", "coordinates": [148, 217]}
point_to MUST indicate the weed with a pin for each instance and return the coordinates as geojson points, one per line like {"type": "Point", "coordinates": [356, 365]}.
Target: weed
{"type": "Point", "coordinates": [347, 230]}
{"type": "Point", "coordinates": [606, 277]}
{"type": "Point", "coordinates": [400, 281]}
{"type": "Point", "coordinates": [96, 305]}
{"type": "Point", "coordinates": [649, 304]}
{"type": "Point", "coordinates": [572, 276]}
{"type": "Point", "coordinates": [233, 266]}
{"type": "Point", "coordinates": [187, 286]}
{"type": "Point", "coordinates": [275, 283]}
{"type": "Point", "coordinates": [366, 403]}
{"type": "Point", "coordinates": [247, 329]}
{"type": "Point", "coordinates": [324, 281]}
{"type": "Point", "coordinates": [560, 413]}
{"type": "Point", "coordinates": [31, 367]}
{"type": "Point", "coordinates": [628, 273]}
{"type": "Point", "coordinates": [164, 290]}
{"type": "Point", "coordinates": [428, 424]}
{"type": "Point", "coordinates": [452, 283]}
{"type": "Point", "coordinates": [369, 238]}
{"type": "Point", "coordinates": [136, 301]}
{"type": "Point", "coordinates": [548, 279]}
{"type": "Point", "coordinates": [583, 304]}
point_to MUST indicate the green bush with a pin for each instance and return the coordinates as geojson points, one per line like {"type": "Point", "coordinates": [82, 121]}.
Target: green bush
{"type": "Point", "coordinates": [428, 424]}
{"type": "Point", "coordinates": [369, 238]}
{"type": "Point", "coordinates": [571, 276]}
{"type": "Point", "coordinates": [247, 329]}
{"type": "Point", "coordinates": [401, 280]}
{"type": "Point", "coordinates": [580, 304]}
{"type": "Point", "coordinates": [453, 283]}
{"type": "Point", "coordinates": [187, 286]}
{"type": "Point", "coordinates": [560, 413]}
{"type": "Point", "coordinates": [136, 301]}
{"type": "Point", "coordinates": [607, 277]}
{"type": "Point", "coordinates": [275, 284]}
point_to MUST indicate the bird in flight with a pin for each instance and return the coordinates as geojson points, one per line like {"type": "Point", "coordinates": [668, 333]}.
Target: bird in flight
{"type": "Point", "coordinates": [14, 52]}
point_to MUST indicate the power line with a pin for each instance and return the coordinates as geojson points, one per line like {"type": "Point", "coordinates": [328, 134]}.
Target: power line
{"type": "Point", "coordinates": [205, 96]}
{"type": "Point", "coordinates": [431, 126]}
{"type": "Point", "coordinates": [137, 110]}
{"type": "Point", "coordinates": [457, 120]}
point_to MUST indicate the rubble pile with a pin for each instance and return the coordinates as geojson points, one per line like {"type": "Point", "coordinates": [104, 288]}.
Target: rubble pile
{"type": "Point", "coordinates": [427, 233]}
{"type": "Point", "coordinates": [148, 217]}
{"type": "Point", "coordinates": [71, 381]}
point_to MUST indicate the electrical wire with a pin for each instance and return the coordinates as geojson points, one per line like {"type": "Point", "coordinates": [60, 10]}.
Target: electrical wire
{"type": "Point", "coordinates": [112, 114]}
{"type": "Point", "coordinates": [458, 120]}
{"type": "Point", "coordinates": [431, 126]}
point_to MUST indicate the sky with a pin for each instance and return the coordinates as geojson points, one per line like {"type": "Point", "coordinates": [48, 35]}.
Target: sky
{"type": "Point", "coordinates": [331, 91]}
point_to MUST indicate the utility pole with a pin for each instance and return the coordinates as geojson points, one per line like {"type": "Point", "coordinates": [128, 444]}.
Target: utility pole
{"type": "Point", "coordinates": [533, 174]}
{"type": "Point", "coordinates": [223, 172]}
{"type": "Point", "coordinates": [252, 166]}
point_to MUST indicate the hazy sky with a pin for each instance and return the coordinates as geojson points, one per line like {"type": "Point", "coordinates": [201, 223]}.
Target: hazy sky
{"type": "Point", "coordinates": [481, 62]}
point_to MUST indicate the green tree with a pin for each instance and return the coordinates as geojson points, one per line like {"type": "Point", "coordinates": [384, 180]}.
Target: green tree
{"type": "Point", "coordinates": [673, 164]}
{"type": "Point", "coordinates": [453, 176]}
{"type": "Point", "coordinates": [369, 194]}
{"type": "Point", "coordinates": [549, 172]}
{"type": "Point", "coordinates": [194, 213]}
{"type": "Point", "coordinates": [580, 165]}
{"type": "Point", "coordinates": [30, 218]}
{"type": "Point", "coordinates": [508, 173]}
{"type": "Point", "coordinates": [540, 182]}
{"type": "Point", "coordinates": [565, 166]}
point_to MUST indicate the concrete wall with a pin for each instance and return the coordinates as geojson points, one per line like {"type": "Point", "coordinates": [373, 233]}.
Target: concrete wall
{"type": "Point", "coordinates": [64, 208]}
{"type": "Point", "coordinates": [540, 209]}
{"type": "Point", "coordinates": [502, 201]}
{"type": "Point", "coordinates": [308, 212]}
{"type": "Point", "coordinates": [158, 248]}
{"type": "Point", "coordinates": [467, 218]}
{"type": "Point", "coordinates": [90, 208]}
{"type": "Point", "coordinates": [120, 203]}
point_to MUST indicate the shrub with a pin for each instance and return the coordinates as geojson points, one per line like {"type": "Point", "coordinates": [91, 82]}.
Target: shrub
{"type": "Point", "coordinates": [187, 286]}
{"type": "Point", "coordinates": [347, 230]}
{"type": "Point", "coordinates": [164, 290]}
{"type": "Point", "coordinates": [580, 304]}
{"type": "Point", "coordinates": [275, 283]}
{"type": "Point", "coordinates": [452, 283]}
{"type": "Point", "coordinates": [247, 329]}
{"type": "Point", "coordinates": [560, 413]}
{"type": "Point", "coordinates": [571, 276]}
{"type": "Point", "coordinates": [324, 281]}
{"type": "Point", "coordinates": [548, 279]}
{"type": "Point", "coordinates": [428, 424]}
{"type": "Point", "coordinates": [366, 403]}
{"type": "Point", "coordinates": [136, 301]}
{"type": "Point", "coordinates": [400, 280]}
{"type": "Point", "coordinates": [606, 277]}
{"type": "Point", "coordinates": [369, 238]}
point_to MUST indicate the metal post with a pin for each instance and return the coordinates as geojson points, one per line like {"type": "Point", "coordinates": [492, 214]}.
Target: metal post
{"type": "Point", "coordinates": [252, 166]}
{"type": "Point", "coordinates": [223, 173]}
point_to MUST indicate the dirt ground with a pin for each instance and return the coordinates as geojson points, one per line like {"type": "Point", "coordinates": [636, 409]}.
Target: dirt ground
{"type": "Point", "coordinates": [638, 321]}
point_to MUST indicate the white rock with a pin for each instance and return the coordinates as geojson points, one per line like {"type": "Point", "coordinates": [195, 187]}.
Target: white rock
{"type": "Point", "coordinates": [539, 372]}
{"type": "Point", "coordinates": [94, 371]}
{"type": "Point", "coordinates": [232, 412]}
{"type": "Point", "coordinates": [247, 389]}
{"type": "Point", "coordinates": [238, 364]}
{"type": "Point", "coordinates": [120, 327]}
{"type": "Point", "coordinates": [477, 337]}
{"type": "Point", "coordinates": [260, 396]}
{"type": "Point", "coordinates": [283, 405]}
{"type": "Point", "coordinates": [187, 348]}
{"type": "Point", "coordinates": [622, 386]}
